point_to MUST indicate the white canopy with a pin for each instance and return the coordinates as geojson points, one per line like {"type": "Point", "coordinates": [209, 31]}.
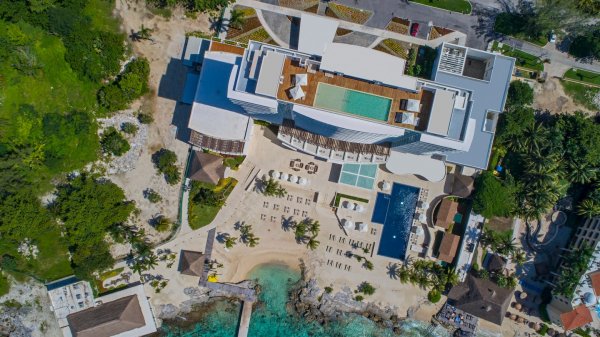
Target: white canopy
{"type": "Point", "coordinates": [386, 185]}
{"type": "Point", "coordinates": [363, 227]}
{"type": "Point", "coordinates": [425, 205]}
{"type": "Point", "coordinates": [293, 178]}
{"type": "Point", "coordinates": [302, 181]}
{"type": "Point", "coordinates": [301, 79]}
{"type": "Point", "coordinates": [422, 217]}
{"type": "Point", "coordinates": [348, 224]}
{"type": "Point", "coordinates": [275, 174]}
{"type": "Point", "coordinates": [297, 92]}
{"type": "Point", "coordinates": [284, 176]}
{"type": "Point", "coordinates": [359, 208]}
{"type": "Point", "coordinates": [408, 118]}
{"type": "Point", "coordinates": [419, 231]}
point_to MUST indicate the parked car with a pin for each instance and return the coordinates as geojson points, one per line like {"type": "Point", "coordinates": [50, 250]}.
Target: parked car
{"type": "Point", "coordinates": [552, 37]}
{"type": "Point", "coordinates": [414, 29]}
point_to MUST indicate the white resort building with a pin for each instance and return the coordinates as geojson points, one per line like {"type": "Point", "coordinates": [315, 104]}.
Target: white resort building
{"type": "Point", "coordinates": [348, 104]}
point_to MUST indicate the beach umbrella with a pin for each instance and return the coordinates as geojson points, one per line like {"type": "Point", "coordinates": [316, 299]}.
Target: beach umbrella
{"type": "Point", "coordinates": [293, 178]}
{"type": "Point", "coordinates": [363, 227]}
{"type": "Point", "coordinates": [518, 306]}
{"type": "Point", "coordinates": [537, 326]}
{"type": "Point", "coordinates": [348, 224]}
{"type": "Point", "coordinates": [423, 217]}
{"type": "Point", "coordinates": [521, 320]}
{"type": "Point", "coordinates": [386, 186]}
{"type": "Point", "coordinates": [513, 317]}
{"type": "Point", "coordinates": [359, 208]}
{"type": "Point", "coordinates": [275, 174]}
{"type": "Point", "coordinates": [302, 181]}
{"type": "Point", "coordinates": [301, 79]}
{"type": "Point", "coordinates": [284, 176]}
{"type": "Point", "coordinates": [346, 204]}
{"type": "Point", "coordinates": [425, 205]}
{"type": "Point", "coordinates": [523, 295]}
{"type": "Point", "coordinates": [551, 332]}
{"type": "Point", "coordinates": [419, 231]}
{"type": "Point", "coordinates": [297, 92]}
{"type": "Point", "coordinates": [265, 176]}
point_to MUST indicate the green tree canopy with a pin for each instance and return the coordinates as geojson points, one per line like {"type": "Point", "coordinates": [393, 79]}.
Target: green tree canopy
{"type": "Point", "coordinates": [494, 197]}
{"type": "Point", "coordinates": [519, 94]}
{"type": "Point", "coordinates": [88, 208]}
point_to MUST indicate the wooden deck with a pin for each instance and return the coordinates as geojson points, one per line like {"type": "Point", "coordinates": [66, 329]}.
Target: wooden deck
{"type": "Point", "coordinates": [290, 68]}
{"type": "Point", "coordinates": [227, 48]}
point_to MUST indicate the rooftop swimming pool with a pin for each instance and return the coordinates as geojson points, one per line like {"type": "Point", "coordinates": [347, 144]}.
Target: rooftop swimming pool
{"type": "Point", "coordinates": [360, 175]}
{"type": "Point", "coordinates": [396, 212]}
{"type": "Point", "coordinates": [332, 97]}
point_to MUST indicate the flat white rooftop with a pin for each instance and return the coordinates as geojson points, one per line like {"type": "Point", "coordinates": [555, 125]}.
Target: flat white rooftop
{"type": "Point", "coordinates": [441, 112]}
{"type": "Point", "coordinates": [270, 74]}
{"type": "Point", "coordinates": [367, 64]}
{"type": "Point", "coordinates": [316, 33]}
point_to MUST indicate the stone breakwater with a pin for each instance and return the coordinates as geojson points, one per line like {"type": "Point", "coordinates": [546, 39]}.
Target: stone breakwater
{"type": "Point", "coordinates": [313, 304]}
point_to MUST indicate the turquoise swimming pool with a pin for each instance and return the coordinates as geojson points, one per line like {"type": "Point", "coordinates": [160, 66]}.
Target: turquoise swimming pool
{"type": "Point", "coordinates": [332, 97]}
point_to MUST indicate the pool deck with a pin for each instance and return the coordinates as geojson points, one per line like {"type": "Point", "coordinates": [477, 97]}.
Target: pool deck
{"type": "Point", "coordinates": [291, 68]}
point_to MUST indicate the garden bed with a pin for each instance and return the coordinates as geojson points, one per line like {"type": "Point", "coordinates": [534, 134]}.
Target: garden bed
{"type": "Point", "coordinates": [436, 32]}
{"type": "Point", "coordinates": [394, 47]}
{"type": "Point", "coordinates": [459, 6]}
{"type": "Point", "coordinates": [524, 60]}
{"type": "Point", "coordinates": [299, 4]}
{"type": "Point", "coordinates": [251, 28]}
{"type": "Point", "coordinates": [347, 13]}
{"type": "Point", "coordinates": [201, 214]}
{"type": "Point", "coordinates": [583, 76]}
{"type": "Point", "coordinates": [398, 25]}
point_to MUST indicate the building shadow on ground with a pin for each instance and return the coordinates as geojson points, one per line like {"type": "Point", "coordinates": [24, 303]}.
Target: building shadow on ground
{"type": "Point", "coordinates": [171, 86]}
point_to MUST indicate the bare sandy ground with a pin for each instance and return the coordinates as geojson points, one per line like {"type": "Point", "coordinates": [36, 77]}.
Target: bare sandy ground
{"type": "Point", "coordinates": [167, 77]}
{"type": "Point", "coordinates": [551, 96]}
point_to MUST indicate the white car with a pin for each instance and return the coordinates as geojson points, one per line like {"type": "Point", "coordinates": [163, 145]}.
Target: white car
{"type": "Point", "coordinates": [552, 38]}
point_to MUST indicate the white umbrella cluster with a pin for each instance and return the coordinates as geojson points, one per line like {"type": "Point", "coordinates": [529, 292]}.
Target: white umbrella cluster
{"type": "Point", "coordinates": [348, 224]}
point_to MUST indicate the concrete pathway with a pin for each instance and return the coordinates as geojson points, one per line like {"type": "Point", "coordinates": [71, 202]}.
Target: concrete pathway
{"type": "Point", "coordinates": [225, 22]}
{"type": "Point", "coordinates": [185, 197]}
{"type": "Point", "coordinates": [245, 319]}
{"type": "Point", "coordinates": [455, 37]}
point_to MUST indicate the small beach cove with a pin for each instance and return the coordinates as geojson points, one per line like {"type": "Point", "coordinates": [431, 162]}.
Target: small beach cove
{"type": "Point", "coordinates": [272, 315]}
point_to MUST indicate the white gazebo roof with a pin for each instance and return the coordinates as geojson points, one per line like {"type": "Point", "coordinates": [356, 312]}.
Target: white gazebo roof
{"type": "Point", "coordinates": [284, 176]}
{"type": "Point", "coordinates": [275, 174]}
{"type": "Point", "coordinates": [359, 208]}
{"type": "Point", "coordinates": [405, 163]}
{"type": "Point", "coordinates": [316, 32]}
{"type": "Point", "coordinates": [293, 178]}
{"type": "Point", "coordinates": [302, 181]}
{"type": "Point", "coordinates": [297, 92]}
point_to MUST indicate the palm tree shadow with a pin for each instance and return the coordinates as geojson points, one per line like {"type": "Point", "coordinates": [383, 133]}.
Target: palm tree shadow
{"type": "Point", "coordinates": [392, 270]}
{"type": "Point", "coordinates": [288, 223]}
{"type": "Point", "coordinates": [221, 237]}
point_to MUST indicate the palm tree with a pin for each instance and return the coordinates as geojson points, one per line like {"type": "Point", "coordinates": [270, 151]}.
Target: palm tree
{"type": "Point", "coordinates": [403, 274]}
{"type": "Point", "coordinates": [312, 243]}
{"type": "Point", "coordinates": [581, 172]}
{"type": "Point", "coordinates": [534, 137]}
{"type": "Point", "coordinates": [519, 257]}
{"type": "Point", "coordinates": [237, 19]}
{"type": "Point", "coordinates": [300, 231]}
{"type": "Point", "coordinates": [368, 265]}
{"type": "Point", "coordinates": [272, 188]}
{"type": "Point", "coordinates": [449, 276]}
{"type": "Point", "coordinates": [253, 240]}
{"type": "Point", "coordinates": [138, 267]}
{"type": "Point", "coordinates": [150, 261]}
{"type": "Point", "coordinates": [314, 227]}
{"type": "Point", "coordinates": [506, 245]}
{"type": "Point", "coordinates": [588, 208]}
{"type": "Point", "coordinates": [230, 241]}
{"type": "Point", "coordinates": [145, 33]}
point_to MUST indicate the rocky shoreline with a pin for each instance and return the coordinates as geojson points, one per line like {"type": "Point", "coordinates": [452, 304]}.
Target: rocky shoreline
{"type": "Point", "coordinates": [313, 304]}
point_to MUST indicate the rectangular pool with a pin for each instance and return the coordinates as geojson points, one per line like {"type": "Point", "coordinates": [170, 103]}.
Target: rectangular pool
{"type": "Point", "coordinates": [332, 97]}
{"type": "Point", "coordinates": [396, 212]}
{"type": "Point", "coordinates": [359, 175]}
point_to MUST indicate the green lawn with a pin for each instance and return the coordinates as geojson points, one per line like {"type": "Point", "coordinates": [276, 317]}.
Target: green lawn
{"type": "Point", "coordinates": [4, 284]}
{"type": "Point", "coordinates": [524, 60]}
{"type": "Point", "coordinates": [583, 76]}
{"type": "Point", "coordinates": [460, 6]}
{"type": "Point", "coordinates": [581, 93]}
{"type": "Point", "coordinates": [200, 215]}
{"type": "Point", "coordinates": [515, 25]}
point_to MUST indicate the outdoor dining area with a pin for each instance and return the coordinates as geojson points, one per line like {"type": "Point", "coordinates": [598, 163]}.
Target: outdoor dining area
{"type": "Point", "coordinates": [294, 179]}
{"type": "Point", "coordinates": [348, 224]}
{"type": "Point", "coordinates": [450, 315]}
{"type": "Point", "coordinates": [297, 165]}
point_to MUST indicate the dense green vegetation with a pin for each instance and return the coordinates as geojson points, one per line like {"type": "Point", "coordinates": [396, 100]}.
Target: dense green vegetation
{"type": "Point", "coordinates": [548, 157]}
{"type": "Point", "coordinates": [574, 265]}
{"type": "Point", "coordinates": [587, 44]}
{"type": "Point", "coordinates": [581, 94]}
{"type": "Point", "coordinates": [165, 162]}
{"type": "Point", "coordinates": [130, 85]}
{"type": "Point", "coordinates": [88, 208]}
{"type": "Point", "coordinates": [55, 57]}
{"type": "Point", "coordinates": [426, 274]}
{"type": "Point", "coordinates": [460, 6]}
{"type": "Point", "coordinates": [192, 6]}
{"type": "Point", "coordinates": [113, 142]}
{"type": "Point", "coordinates": [494, 197]}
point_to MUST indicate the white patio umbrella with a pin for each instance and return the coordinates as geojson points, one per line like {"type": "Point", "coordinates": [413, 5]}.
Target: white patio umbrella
{"type": "Point", "coordinates": [408, 118]}
{"type": "Point", "coordinates": [301, 79]}
{"type": "Point", "coordinates": [386, 186]}
{"type": "Point", "coordinates": [363, 227]}
{"type": "Point", "coordinates": [297, 92]}
{"type": "Point", "coordinates": [348, 224]}
{"type": "Point", "coordinates": [293, 178]}
{"type": "Point", "coordinates": [425, 205]}
{"type": "Point", "coordinates": [359, 208]}
{"type": "Point", "coordinates": [302, 181]}
{"type": "Point", "coordinates": [419, 231]}
{"type": "Point", "coordinates": [275, 174]}
{"type": "Point", "coordinates": [347, 204]}
{"type": "Point", "coordinates": [284, 176]}
{"type": "Point", "coordinates": [422, 217]}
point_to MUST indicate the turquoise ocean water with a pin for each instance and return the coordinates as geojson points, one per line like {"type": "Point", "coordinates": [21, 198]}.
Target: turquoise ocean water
{"type": "Point", "coordinates": [270, 318]}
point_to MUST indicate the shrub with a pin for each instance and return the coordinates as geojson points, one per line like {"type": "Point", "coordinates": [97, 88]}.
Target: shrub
{"type": "Point", "coordinates": [128, 86]}
{"type": "Point", "coordinates": [519, 93]}
{"type": "Point", "coordinates": [434, 296]}
{"type": "Point", "coordinates": [328, 290]}
{"type": "Point", "coordinates": [163, 224]}
{"type": "Point", "coordinates": [4, 285]}
{"type": "Point", "coordinates": [543, 329]}
{"type": "Point", "coordinates": [366, 288]}
{"type": "Point", "coordinates": [129, 128]}
{"type": "Point", "coordinates": [234, 162]}
{"type": "Point", "coordinates": [113, 142]}
{"type": "Point", "coordinates": [145, 118]}
{"type": "Point", "coordinates": [359, 298]}
{"type": "Point", "coordinates": [493, 197]}
{"type": "Point", "coordinates": [152, 196]}
{"type": "Point", "coordinates": [164, 161]}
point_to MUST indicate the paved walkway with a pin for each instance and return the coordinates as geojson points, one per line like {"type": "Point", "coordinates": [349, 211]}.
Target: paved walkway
{"type": "Point", "coordinates": [245, 319]}
{"type": "Point", "coordinates": [278, 28]}
{"type": "Point", "coordinates": [185, 196]}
